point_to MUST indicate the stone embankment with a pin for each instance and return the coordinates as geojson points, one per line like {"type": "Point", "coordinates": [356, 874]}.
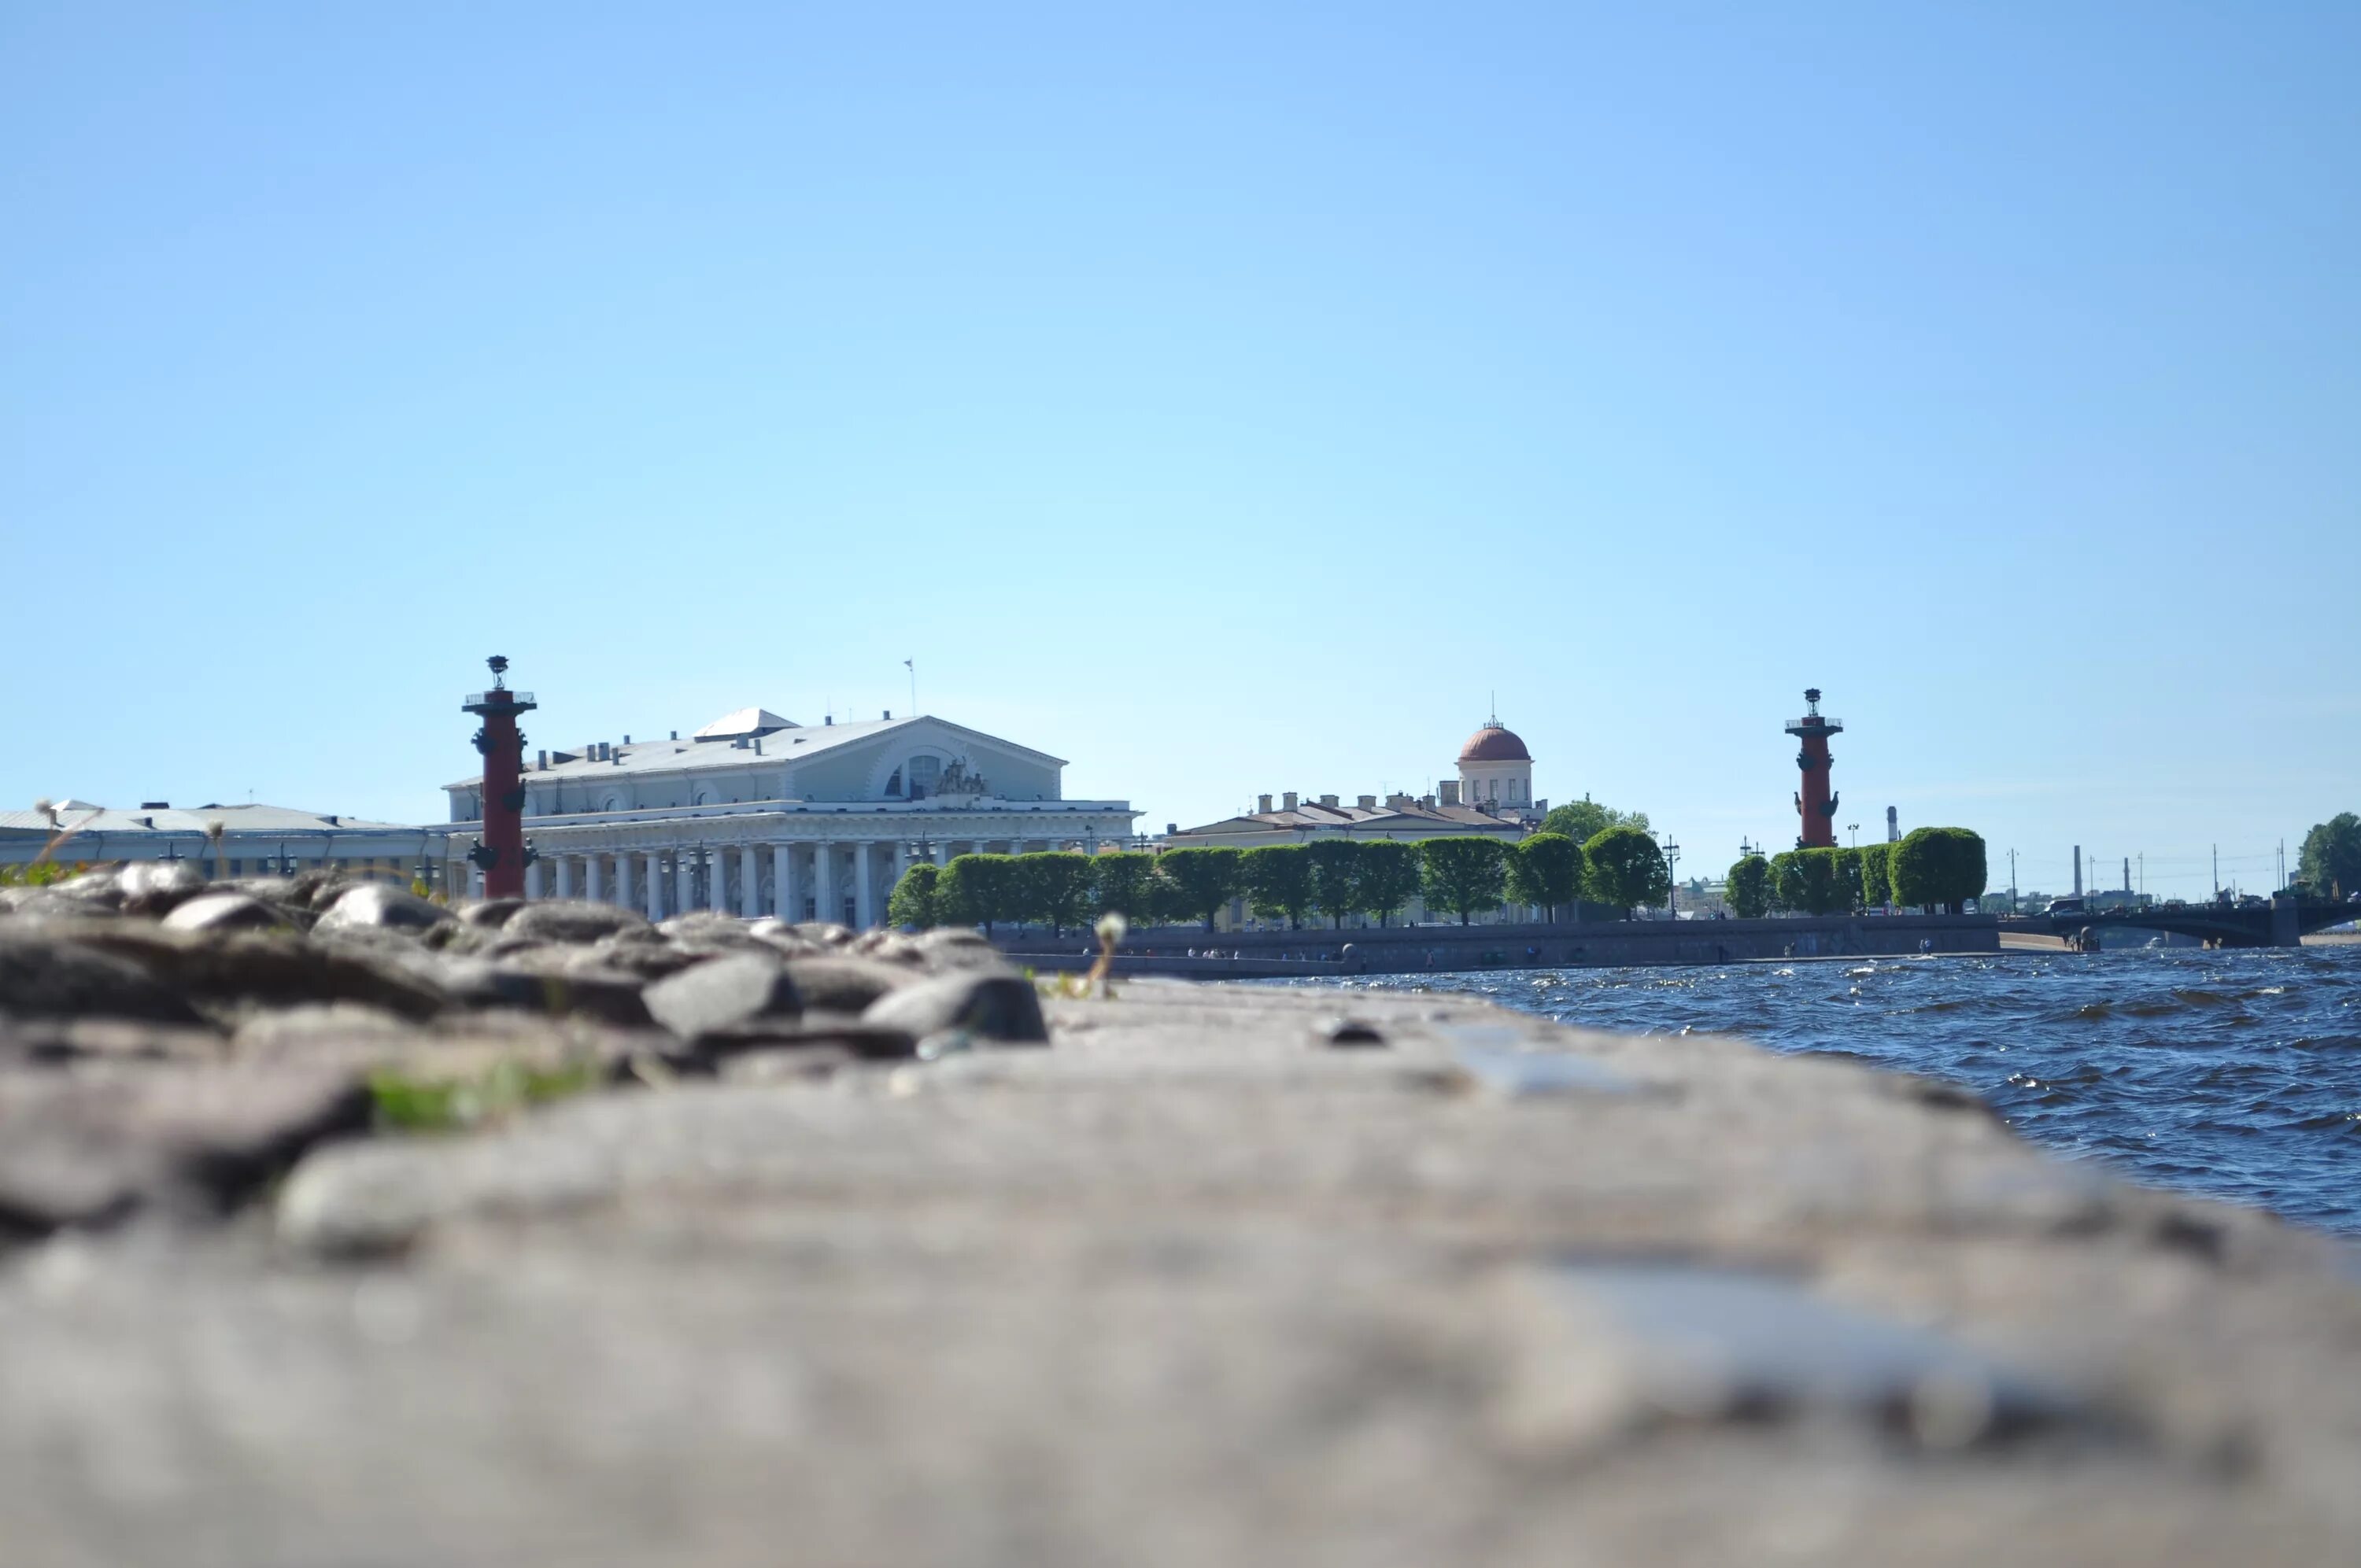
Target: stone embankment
{"type": "Point", "coordinates": [337, 1229]}
{"type": "Point", "coordinates": [1187, 952]}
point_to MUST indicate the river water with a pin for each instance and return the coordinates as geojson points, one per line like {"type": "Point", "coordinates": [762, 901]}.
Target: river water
{"type": "Point", "coordinates": [2232, 1074]}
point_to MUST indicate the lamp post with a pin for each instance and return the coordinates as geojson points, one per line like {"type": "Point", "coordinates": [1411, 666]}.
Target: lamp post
{"type": "Point", "coordinates": [1854, 828]}
{"type": "Point", "coordinates": [1672, 888]}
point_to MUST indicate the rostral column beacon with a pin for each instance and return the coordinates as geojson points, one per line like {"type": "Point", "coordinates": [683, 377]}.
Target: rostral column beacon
{"type": "Point", "coordinates": [501, 852]}
{"type": "Point", "coordinates": [1816, 803]}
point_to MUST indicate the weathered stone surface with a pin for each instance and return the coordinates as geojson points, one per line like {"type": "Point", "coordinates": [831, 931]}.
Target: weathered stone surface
{"type": "Point", "coordinates": [556, 988]}
{"type": "Point", "coordinates": [726, 993]}
{"type": "Point", "coordinates": [31, 1041]}
{"type": "Point", "coordinates": [1183, 1292]}
{"type": "Point", "coordinates": [957, 947]}
{"type": "Point", "coordinates": [264, 968]}
{"type": "Point", "coordinates": [491, 914]}
{"type": "Point", "coordinates": [375, 904]}
{"type": "Point", "coordinates": [43, 976]}
{"type": "Point", "coordinates": [998, 1007]}
{"type": "Point", "coordinates": [572, 920]}
{"type": "Point", "coordinates": [156, 887]}
{"type": "Point", "coordinates": [82, 1148]}
{"type": "Point", "coordinates": [223, 912]}
{"type": "Point", "coordinates": [317, 889]}
{"type": "Point", "coordinates": [839, 983]}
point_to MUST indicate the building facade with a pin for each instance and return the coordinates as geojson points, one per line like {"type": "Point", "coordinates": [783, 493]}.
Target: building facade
{"type": "Point", "coordinates": [756, 815]}
{"type": "Point", "coordinates": [223, 840]}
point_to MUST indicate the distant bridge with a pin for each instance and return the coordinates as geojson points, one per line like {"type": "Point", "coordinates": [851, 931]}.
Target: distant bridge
{"type": "Point", "coordinates": [2282, 923]}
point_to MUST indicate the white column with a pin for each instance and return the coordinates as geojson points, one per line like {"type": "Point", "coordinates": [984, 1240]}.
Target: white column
{"type": "Point", "coordinates": [565, 876]}
{"type": "Point", "coordinates": [942, 853]}
{"type": "Point", "coordinates": [978, 846]}
{"type": "Point", "coordinates": [591, 878]}
{"type": "Point", "coordinates": [717, 887]}
{"type": "Point", "coordinates": [901, 867]}
{"type": "Point", "coordinates": [684, 873]}
{"type": "Point", "coordinates": [655, 886]}
{"type": "Point", "coordinates": [864, 878]}
{"type": "Point", "coordinates": [783, 882]}
{"type": "Point", "coordinates": [532, 880]}
{"type": "Point", "coordinates": [825, 903]}
{"type": "Point", "coordinates": [749, 884]}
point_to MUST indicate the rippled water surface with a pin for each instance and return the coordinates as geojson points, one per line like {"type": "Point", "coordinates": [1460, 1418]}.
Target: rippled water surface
{"type": "Point", "coordinates": [2232, 1074]}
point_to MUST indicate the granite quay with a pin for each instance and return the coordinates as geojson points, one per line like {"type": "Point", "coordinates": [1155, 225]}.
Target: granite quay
{"type": "Point", "coordinates": [342, 1226]}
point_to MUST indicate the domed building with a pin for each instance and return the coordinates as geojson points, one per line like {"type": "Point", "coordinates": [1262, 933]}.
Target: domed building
{"type": "Point", "coordinates": [1495, 769]}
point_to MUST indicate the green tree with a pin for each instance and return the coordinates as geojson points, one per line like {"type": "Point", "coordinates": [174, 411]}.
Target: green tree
{"type": "Point", "coordinates": [1336, 877]}
{"type": "Point", "coordinates": [1387, 877]}
{"type": "Point", "coordinates": [1747, 890]}
{"type": "Point", "coordinates": [1627, 870]}
{"type": "Point", "coordinates": [1585, 819]}
{"type": "Point", "coordinates": [914, 902]}
{"type": "Point", "coordinates": [1463, 876]}
{"type": "Point", "coordinates": [1053, 886]}
{"type": "Point", "coordinates": [1277, 882]}
{"type": "Point", "coordinates": [1876, 876]}
{"type": "Point", "coordinates": [977, 890]}
{"type": "Point", "coordinates": [1546, 869]}
{"type": "Point", "coordinates": [1811, 881]}
{"type": "Point", "coordinates": [1940, 867]}
{"type": "Point", "coordinates": [1201, 880]}
{"type": "Point", "coordinates": [1120, 884]}
{"type": "Point", "coordinates": [2330, 862]}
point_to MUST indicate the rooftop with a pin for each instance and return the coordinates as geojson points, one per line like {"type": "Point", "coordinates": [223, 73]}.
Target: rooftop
{"type": "Point", "coordinates": [730, 741]}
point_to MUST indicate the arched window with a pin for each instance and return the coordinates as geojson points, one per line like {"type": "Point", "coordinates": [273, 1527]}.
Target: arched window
{"type": "Point", "coordinates": [894, 785]}
{"type": "Point", "coordinates": [925, 772]}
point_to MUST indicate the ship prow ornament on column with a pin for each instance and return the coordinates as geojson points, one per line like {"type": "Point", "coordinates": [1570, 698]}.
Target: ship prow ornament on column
{"type": "Point", "coordinates": [501, 853]}
{"type": "Point", "coordinates": [1816, 803]}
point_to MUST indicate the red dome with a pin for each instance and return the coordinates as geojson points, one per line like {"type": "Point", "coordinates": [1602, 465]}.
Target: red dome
{"type": "Point", "coordinates": [1494, 744]}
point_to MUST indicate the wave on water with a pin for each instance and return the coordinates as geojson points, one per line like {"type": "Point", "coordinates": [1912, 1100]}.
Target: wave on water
{"type": "Point", "coordinates": [2235, 1075]}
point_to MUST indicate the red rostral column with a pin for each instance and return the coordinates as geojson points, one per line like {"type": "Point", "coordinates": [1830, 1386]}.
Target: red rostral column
{"type": "Point", "coordinates": [501, 852]}
{"type": "Point", "coordinates": [1816, 803]}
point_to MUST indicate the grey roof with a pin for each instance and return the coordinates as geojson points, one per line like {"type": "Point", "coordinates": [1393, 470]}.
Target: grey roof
{"type": "Point", "coordinates": [241, 819]}
{"type": "Point", "coordinates": [745, 721]}
{"type": "Point", "coordinates": [792, 745]}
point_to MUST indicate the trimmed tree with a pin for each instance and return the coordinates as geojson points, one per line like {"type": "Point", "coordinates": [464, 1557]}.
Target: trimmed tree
{"type": "Point", "coordinates": [1938, 868]}
{"type": "Point", "coordinates": [1277, 882]}
{"type": "Point", "coordinates": [1747, 890]}
{"type": "Point", "coordinates": [1811, 881]}
{"type": "Point", "coordinates": [1201, 880]}
{"type": "Point", "coordinates": [914, 902]}
{"type": "Point", "coordinates": [975, 890]}
{"type": "Point", "coordinates": [1336, 877]}
{"type": "Point", "coordinates": [1585, 819]}
{"type": "Point", "coordinates": [1053, 886]}
{"type": "Point", "coordinates": [1387, 878]}
{"type": "Point", "coordinates": [1463, 876]}
{"type": "Point", "coordinates": [1876, 876]}
{"type": "Point", "coordinates": [1546, 869]}
{"type": "Point", "coordinates": [2330, 862]}
{"type": "Point", "coordinates": [1627, 870]}
{"type": "Point", "coordinates": [1119, 884]}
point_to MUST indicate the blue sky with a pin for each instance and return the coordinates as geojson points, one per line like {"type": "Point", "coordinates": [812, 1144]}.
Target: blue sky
{"type": "Point", "coordinates": [1228, 398]}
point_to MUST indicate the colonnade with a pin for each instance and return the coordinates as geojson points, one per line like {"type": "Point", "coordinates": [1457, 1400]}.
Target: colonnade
{"type": "Point", "coordinates": [847, 880]}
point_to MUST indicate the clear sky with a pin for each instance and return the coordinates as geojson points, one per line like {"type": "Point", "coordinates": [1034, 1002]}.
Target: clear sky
{"type": "Point", "coordinates": [1225, 398]}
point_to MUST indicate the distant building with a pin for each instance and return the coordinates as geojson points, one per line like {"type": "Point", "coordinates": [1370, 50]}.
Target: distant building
{"type": "Point", "coordinates": [1493, 796]}
{"type": "Point", "coordinates": [256, 841]}
{"type": "Point", "coordinates": [757, 815]}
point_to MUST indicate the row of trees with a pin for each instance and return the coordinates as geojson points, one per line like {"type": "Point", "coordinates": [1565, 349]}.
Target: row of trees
{"type": "Point", "coordinates": [1931, 867]}
{"type": "Point", "coordinates": [1336, 878]}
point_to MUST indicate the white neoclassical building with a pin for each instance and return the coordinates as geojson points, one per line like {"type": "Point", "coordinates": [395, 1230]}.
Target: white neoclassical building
{"type": "Point", "coordinates": [756, 815]}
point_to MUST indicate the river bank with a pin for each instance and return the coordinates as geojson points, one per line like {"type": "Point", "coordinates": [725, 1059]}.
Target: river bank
{"type": "Point", "coordinates": [341, 1228]}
